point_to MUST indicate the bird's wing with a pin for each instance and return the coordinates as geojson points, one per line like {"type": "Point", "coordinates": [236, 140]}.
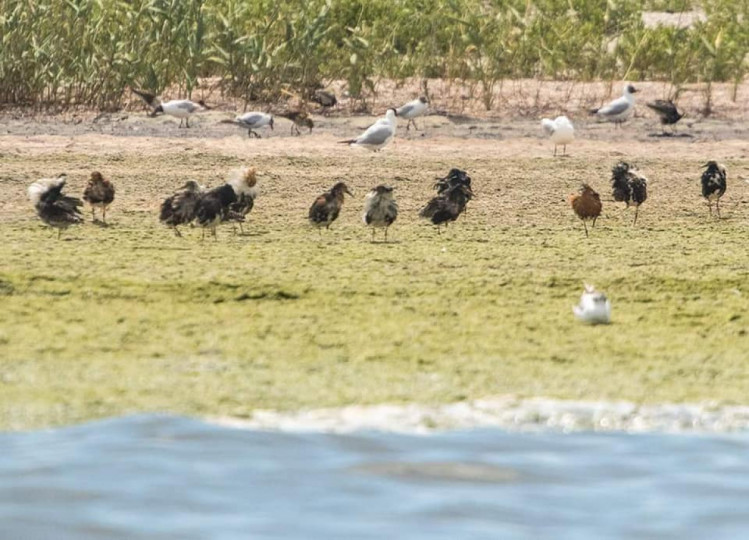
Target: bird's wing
{"type": "Point", "coordinates": [406, 109]}
{"type": "Point", "coordinates": [618, 106]}
{"type": "Point", "coordinates": [662, 106]}
{"type": "Point", "coordinates": [187, 105]}
{"type": "Point", "coordinates": [548, 125]}
{"type": "Point", "coordinates": [250, 118]}
{"type": "Point", "coordinates": [379, 133]}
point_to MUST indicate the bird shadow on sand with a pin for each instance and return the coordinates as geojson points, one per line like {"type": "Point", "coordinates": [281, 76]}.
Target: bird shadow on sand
{"type": "Point", "coordinates": [102, 224]}
{"type": "Point", "coordinates": [669, 135]}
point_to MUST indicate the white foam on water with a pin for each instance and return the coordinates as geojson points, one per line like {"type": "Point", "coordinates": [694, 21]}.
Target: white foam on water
{"type": "Point", "coordinates": [508, 413]}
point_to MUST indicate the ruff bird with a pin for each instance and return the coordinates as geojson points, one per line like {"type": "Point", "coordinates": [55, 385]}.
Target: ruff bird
{"type": "Point", "coordinates": [560, 131]}
{"type": "Point", "coordinates": [151, 101]}
{"type": "Point", "coordinates": [586, 205]}
{"type": "Point", "coordinates": [239, 209]}
{"type": "Point", "coordinates": [412, 110]}
{"type": "Point", "coordinates": [667, 111]}
{"type": "Point", "coordinates": [52, 206]}
{"type": "Point", "coordinates": [99, 193]}
{"type": "Point", "coordinates": [252, 121]}
{"type": "Point", "coordinates": [327, 206]}
{"type": "Point", "coordinates": [380, 209]}
{"type": "Point", "coordinates": [213, 206]}
{"type": "Point", "coordinates": [325, 99]}
{"type": "Point", "coordinates": [629, 186]}
{"type": "Point", "coordinates": [454, 192]}
{"type": "Point", "coordinates": [620, 109]}
{"type": "Point", "coordinates": [594, 307]}
{"type": "Point", "coordinates": [179, 208]}
{"type": "Point", "coordinates": [180, 108]}
{"type": "Point", "coordinates": [713, 184]}
{"type": "Point", "coordinates": [298, 119]}
{"type": "Point", "coordinates": [378, 135]}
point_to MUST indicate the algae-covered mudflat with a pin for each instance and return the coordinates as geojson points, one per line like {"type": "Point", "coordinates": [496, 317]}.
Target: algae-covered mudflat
{"type": "Point", "coordinates": [130, 318]}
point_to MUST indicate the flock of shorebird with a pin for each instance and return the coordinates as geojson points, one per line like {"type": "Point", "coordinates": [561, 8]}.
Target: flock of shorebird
{"type": "Point", "coordinates": [194, 205]}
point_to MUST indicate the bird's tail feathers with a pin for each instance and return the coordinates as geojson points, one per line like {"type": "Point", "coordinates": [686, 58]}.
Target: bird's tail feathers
{"type": "Point", "coordinates": [43, 185]}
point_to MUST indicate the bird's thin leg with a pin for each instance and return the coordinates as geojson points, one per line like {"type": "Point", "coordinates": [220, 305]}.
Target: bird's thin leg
{"type": "Point", "coordinates": [594, 222]}
{"type": "Point", "coordinates": [717, 207]}
{"type": "Point", "coordinates": [213, 232]}
{"type": "Point", "coordinates": [555, 150]}
{"type": "Point", "coordinates": [187, 122]}
{"type": "Point", "coordinates": [415, 127]}
{"type": "Point", "coordinates": [241, 229]}
{"type": "Point", "coordinates": [709, 207]}
{"type": "Point", "coordinates": [176, 232]}
{"type": "Point", "coordinates": [408, 126]}
{"type": "Point", "coordinates": [202, 236]}
{"type": "Point", "coordinates": [386, 235]}
{"type": "Point", "coordinates": [564, 149]}
{"type": "Point", "coordinates": [373, 233]}
{"type": "Point", "coordinates": [586, 229]}
{"type": "Point", "coordinates": [93, 214]}
{"type": "Point", "coordinates": [637, 210]}
{"type": "Point", "coordinates": [59, 233]}
{"type": "Point", "coordinates": [104, 215]}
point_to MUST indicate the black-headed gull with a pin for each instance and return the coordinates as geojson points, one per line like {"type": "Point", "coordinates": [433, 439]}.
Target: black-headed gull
{"type": "Point", "coordinates": [560, 131]}
{"type": "Point", "coordinates": [594, 307]}
{"type": "Point", "coordinates": [413, 109]}
{"type": "Point", "coordinates": [181, 108]}
{"type": "Point", "coordinates": [378, 135]}
{"type": "Point", "coordinates": [251, 121]}
{"type": "Point", "coordinates": [620, 109]}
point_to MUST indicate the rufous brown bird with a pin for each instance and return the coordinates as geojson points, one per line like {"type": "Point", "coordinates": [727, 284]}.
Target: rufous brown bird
{"type": "Point", "coordinates": [586, 205]}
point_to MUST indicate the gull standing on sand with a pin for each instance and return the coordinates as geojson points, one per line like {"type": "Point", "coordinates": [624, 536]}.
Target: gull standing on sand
{"type": "Point", "coordinates": [560, 131]}
{"type": "Point", "coordinates": [620, 109]}
{"type": "Point", "coordinates": [378, 135]}
{"type": "Point", "coordinates": [594, 307]}
{"type": "Point", "coordinates": [252, 121]}
{"type": "Point", "coordinates": [413, 109]}
{"type": "Point", "coordinates": [181, 108]}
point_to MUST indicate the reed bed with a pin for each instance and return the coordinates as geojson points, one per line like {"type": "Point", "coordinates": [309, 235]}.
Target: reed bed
{"type": "Point", "coordinates": [85, 52]}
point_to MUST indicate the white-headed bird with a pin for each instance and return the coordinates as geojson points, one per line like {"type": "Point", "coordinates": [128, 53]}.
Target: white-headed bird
{"type": "Point", "coordinates": [179, 208]}
{"type": "Point", "coordinates": [587, 205]}
{"type": "Point", "coordinates": [239, 209]}
{"type": "Point", "coordinates": [52, 206]}
{"type": "Point", "coordinates": [560, 131]}
{"type": "Point", "coordinates": [180, 108]}
{"type": "Point", "coordinates": [380, 209]}
{"type": "Point", "coordinates": [327, 206]}
{"type": "Point", "coordinates": [620, 109]}
{"type": "Point", "coordinates": [212, 208]}
{"type": "Point", "coordinates": [378, 135]}
{"type": "Point", "coordinates": [99, 193]}
{"type": "Point", "coordinates": [594, 307]}
{"type": "Point", "coordinates": [252, 121]}
{"type": "Point", "coordinates": [714, 183]}
{"type": "Point", "coordinates": [629, 186]}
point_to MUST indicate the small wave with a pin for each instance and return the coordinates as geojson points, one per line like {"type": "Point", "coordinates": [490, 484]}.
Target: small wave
{"type": "Point", "coordinates": [512, 414]}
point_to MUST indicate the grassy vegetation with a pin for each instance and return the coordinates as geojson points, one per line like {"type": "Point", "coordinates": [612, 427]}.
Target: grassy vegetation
{"type": "Point", "coordinates": [129, 318]}
{"type": "Point", "coordinates": [86, 51]}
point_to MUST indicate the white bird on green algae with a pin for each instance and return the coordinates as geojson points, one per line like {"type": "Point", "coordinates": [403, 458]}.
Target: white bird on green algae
{"type": "Point", "coordinates": [594, 307]}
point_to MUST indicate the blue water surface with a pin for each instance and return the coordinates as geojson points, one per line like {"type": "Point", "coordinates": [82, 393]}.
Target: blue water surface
{"type": "Point", "coordinates": [161, 477]}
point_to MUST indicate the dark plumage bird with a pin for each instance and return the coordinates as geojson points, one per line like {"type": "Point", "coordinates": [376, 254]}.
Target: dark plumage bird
{"type": "Point", "coordinates": [667, 111]}
{"type": "Point", "coordinates": [587, 205]}
{"type": "Point", "coordinates": [299, 118]}
{"type": "Point", "coordinates": [629, 186]}
{"type": "Point", "coordinates": [327, 206]}
{"type": "Point", "coordinates": [179, 208]}
{"type": "Point", "coordinates": [213, 207]}
{"type": "Point", "coordinates": [380, 209]}
{"type": "Point", "coordinates": [52, 206]}
{"type": "Point", "coordinates": [325, 99]}
{"type": "Point", "coordinates": [453, 193]}
{"type": "Point", "coordinates": [149, 100]}
{"type": "Point", "coordinates": [245, 202]}
{"type": "Point", "coordinates": [713, 184]}
{"type": "Point", "coordinates": [99, 193]}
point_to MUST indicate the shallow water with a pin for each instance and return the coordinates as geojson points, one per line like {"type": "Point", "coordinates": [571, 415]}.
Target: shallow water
{"type": "Point", "coordinates": [156, 477]}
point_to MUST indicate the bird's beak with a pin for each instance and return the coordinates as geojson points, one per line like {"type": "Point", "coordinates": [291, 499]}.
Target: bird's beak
{"type": "Point", "coordinates": [347, 191]}
{"type": "Point", "coordinates": [634, 90]}
{"type": "Point", "coordinates": [202, 104]}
